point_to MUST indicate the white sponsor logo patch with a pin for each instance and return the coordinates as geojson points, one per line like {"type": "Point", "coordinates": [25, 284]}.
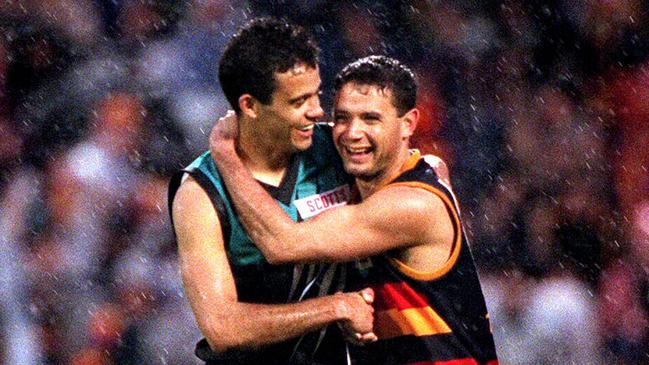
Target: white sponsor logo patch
{"type": "Point", "coordinates": [315, 204]}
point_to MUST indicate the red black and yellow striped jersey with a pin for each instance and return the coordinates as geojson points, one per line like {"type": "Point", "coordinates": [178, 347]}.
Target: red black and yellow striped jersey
{"type": "Point", "coordinates": [427, 317]}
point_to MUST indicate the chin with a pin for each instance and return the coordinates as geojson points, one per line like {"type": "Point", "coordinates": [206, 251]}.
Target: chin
{"type": "Point", "coordinates": [359, 172]}
{"type": "Point", "coordinates": [302, 146]}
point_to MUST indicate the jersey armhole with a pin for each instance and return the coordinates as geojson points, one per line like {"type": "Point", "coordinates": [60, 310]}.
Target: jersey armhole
{"type": "Point", "coordinates": [457, 239]}
{"type": "Point", "coordinates": [217, 201]}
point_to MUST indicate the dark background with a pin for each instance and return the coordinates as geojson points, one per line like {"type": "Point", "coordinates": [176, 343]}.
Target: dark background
{"type": "Point", "coordinates": [541, 110]}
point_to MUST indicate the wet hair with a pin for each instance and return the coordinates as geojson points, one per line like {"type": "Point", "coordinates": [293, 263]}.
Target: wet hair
{"type": "Point", "coordinates": [386, 73]}
{"type": "Point", "coordinates": [257, 51]}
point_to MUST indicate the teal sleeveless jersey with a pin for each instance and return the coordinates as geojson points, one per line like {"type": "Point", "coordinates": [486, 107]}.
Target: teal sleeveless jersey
{"type": "Point", "coordinates": [314, 182]}
{"type": "Point", "coordinates": [319, 170]}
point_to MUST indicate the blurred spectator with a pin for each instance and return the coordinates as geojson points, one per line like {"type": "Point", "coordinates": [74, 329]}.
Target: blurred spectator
{"type": "Point", "coordinates": [20, 334]}
{"type": "Point", "coordinates": [625, 284]}
{"type": "Point", "coordinates": [556, 185]}
{"type": "Point", "coordinates": [624, 309]}
{"type": "Point", "coordinates": [540, 110]}
{"type": "Point", "coordinates": [11, 142]}
{"type": "Point", "coordinates": [543, 322]}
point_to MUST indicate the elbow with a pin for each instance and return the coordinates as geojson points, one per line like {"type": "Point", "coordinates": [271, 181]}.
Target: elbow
{"type": "Point", "coordinates": [296, 246]}
{"type": "Point", "coordinates": [274, 260]}
{"type": "Point", "coordinates": [218, 345]}
{"type": "Point", "coordinates": [221, 340]}
{"type": "Point", "coordinates": [277, 258]}
{"type": "Point", "coordinates": [217, 339]}
{"type": "Point", "coordinates": [281, 250]}
{"type": "Point", "coordinates": [298, 254]}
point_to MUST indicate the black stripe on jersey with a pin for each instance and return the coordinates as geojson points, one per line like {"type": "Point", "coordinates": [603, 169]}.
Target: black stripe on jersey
{"type": "Point", "coordinates": [423, 172]}
{"type": "Point", "coordinates": [408, 349]}
{"type": "Point", "coordinates": [270, 355]}
{"type": "Point", "coordinates": [174, 184]}
{"type": "Point", "coordinates": [284, 192]}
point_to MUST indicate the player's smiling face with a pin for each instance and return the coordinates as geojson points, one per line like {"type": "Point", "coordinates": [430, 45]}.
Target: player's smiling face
{"type": "Point", "coordinates": [294, 108]}
{"type": "Point", "coordinates": [368, 132]}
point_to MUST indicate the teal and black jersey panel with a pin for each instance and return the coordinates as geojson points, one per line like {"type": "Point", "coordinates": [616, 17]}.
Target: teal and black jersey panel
{"type": "Point", "coordinates": [314, 182]}
{"type": "Point", "coordinates": [435, 317]}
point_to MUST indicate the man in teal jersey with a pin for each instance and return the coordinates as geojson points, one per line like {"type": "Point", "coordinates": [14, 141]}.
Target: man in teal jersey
{"type": "Point", "coordinates": [429, 307]}
{"type": "Point", "coordinates": [249, 310]}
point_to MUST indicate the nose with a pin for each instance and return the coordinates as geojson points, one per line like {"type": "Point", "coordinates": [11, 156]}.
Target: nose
{"type": "Point", "coordinates": [355, 129]}
{"type": "Point", "coordinates": [315, 110]}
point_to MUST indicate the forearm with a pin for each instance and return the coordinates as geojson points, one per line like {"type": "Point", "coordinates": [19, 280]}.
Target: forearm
{"type": "Point", "coordinates": [249, 325]}
{"type": "Point", "coordinates": [391, 218]}
{"type": "Point", "coordinates": [374, 226]}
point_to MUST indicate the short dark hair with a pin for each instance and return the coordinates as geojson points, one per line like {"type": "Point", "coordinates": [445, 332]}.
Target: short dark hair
{"type": "Point", "coordinates": [260, 48]}
{"type": "Point", "coordinates": [386, 73]}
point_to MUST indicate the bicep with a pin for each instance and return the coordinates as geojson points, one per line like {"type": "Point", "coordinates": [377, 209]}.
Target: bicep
{"type": "Point", "coordinates": [205, 269]}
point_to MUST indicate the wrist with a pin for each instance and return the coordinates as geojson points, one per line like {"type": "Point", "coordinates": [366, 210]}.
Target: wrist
{"type": "Point", "coordinates": [342, 311]}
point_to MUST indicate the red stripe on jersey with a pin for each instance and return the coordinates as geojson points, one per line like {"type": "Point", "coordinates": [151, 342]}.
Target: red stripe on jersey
{"type": "Point", "coordinates": [414, 321]}
{"type": "Point", "coordinates": [397, 296]}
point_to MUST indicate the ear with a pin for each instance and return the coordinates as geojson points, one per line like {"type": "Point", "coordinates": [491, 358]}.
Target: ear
{"type": "Point", "coordinates": [249, 105]}
{"type": "Point", "coordinates": [409, 123]}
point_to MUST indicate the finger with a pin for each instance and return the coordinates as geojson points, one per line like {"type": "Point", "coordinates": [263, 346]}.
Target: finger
{"type": "Point", "coordinates": [359, 339]}
{"type": "Point", "coordinates": [367, 337]}
{"type": "Point", "coordinates": [368, 295]}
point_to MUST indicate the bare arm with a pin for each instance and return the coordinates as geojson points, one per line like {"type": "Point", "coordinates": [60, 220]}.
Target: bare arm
{"type": "Point", "coordinates": [396, 217]}
{"type": "Point", "coordinates": [207, 277]}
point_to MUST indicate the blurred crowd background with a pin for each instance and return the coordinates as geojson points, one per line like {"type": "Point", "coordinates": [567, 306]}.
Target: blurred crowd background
{"type": "Point", "coordinates": [541, 110]}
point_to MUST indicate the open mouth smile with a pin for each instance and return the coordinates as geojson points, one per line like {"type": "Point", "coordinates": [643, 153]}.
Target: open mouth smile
{"type": "Point", "coordinates": [358, 150]}
{"type": "Point", "coordinates": [358, 155]}
{"type": "Point", "coordinates": [306, 128]}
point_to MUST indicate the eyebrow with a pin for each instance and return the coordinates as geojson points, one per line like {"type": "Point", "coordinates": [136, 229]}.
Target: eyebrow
{"type": "Point", "coordinates": [371, 114]}
{"type": "Point", "coordinates": [364, 114]}
{"type": "Point", "coordinates": [305, 95]}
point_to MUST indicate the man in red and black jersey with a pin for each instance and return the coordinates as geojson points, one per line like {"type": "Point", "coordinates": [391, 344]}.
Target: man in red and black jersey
{"type": "Point", "coordinates": [405, 232]}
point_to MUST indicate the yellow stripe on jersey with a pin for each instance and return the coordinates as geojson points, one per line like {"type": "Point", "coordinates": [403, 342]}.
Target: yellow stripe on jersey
{"type": "Point", "coordinates": [412, 321]}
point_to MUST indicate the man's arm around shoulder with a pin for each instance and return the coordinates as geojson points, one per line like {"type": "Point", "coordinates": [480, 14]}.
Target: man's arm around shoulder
{"type": "Point", "coordinates": [400, 217]}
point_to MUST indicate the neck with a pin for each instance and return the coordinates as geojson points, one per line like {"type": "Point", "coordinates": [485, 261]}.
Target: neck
{"type": "Point", "coordinates": [369, 186]}
{"type": "Point", "coordinates": [260, 154]}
